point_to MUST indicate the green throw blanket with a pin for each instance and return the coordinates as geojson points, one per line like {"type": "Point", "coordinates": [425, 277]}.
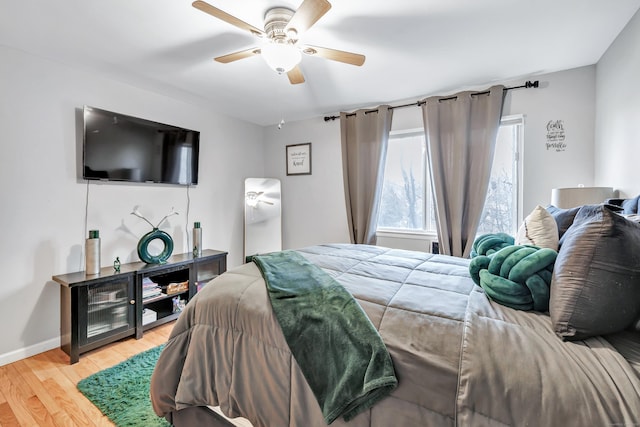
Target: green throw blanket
{"type": "Point", "coordinates": [338, 349]}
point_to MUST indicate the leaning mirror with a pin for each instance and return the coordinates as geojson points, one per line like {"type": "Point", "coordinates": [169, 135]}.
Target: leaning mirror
{"type": "Point", "coordinates": [262, 216]}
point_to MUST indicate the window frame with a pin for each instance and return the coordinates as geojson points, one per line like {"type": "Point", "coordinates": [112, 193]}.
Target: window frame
{"type": "Point", "coordinates": [517, 119]}
{"type": "Point", "coordinates": [426, 218]}
{"type": "Point", "coordinates": [424, 233]}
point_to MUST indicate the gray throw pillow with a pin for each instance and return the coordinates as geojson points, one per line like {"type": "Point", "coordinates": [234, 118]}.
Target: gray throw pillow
{"type": "Point", "coordinates": [595, 288]}
{"type": "Point", "coordinates": [564, 217]}
{"type": "Point", "coordinates": [628, 206]}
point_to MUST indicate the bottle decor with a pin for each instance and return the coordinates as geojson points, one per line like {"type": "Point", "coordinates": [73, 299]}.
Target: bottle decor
{"type": "Point", "coordinates": [92, 253]}
{"type": "Point", "coordinates": [197, 239]}
{"type": "Point", "coordinates": [155, 234]}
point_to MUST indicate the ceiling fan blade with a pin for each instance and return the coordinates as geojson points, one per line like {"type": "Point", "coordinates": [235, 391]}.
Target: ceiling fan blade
{"type": "Point", "coordinates": [335, 55]}
{"type": "Point", "coordinates": [295, 75]}
{"type": "Point", "coordinates": [307, 15]}
{"type": "Point", "coordinates": [230, 57]}
{"type": "Point", "coordinates": [217, 13]}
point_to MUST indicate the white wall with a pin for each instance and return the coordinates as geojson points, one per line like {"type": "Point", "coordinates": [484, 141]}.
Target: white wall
{"type": "Point", "coordinates": [568, 96]}
{"type": "Point", "coordinates": [42, 218]}
{"type": "Point", "coordinates": [617, 147]}
{"type": "Point", "coordinates": [314, 207]}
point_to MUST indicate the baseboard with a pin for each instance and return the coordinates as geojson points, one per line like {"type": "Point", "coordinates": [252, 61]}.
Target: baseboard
{"type": "Point", "coordinates": [32, 350]}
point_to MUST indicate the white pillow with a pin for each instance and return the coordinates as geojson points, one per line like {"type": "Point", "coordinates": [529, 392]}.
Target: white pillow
{"type": "Point", "coordinates": [538, 229]}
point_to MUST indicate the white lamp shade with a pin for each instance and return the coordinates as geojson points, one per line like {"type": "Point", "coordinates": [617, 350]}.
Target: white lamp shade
{"type": "Point", "coordinates": [566, 198]}
{"type": "Point", "coordinates": [281, 57]}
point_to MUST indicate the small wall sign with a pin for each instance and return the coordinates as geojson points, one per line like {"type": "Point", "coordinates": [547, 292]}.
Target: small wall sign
{"type": "Point", "coordinates": [299, 159]}
{"type": "Point", "coordinates": [556, 135]}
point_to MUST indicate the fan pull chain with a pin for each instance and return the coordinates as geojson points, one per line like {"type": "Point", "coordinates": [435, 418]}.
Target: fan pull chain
{"type": "Point", "coordinates": [281, 123]}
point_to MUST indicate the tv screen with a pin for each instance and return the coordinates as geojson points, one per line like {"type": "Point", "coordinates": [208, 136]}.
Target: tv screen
{"type": "Point", "coordinates": [118, 147]}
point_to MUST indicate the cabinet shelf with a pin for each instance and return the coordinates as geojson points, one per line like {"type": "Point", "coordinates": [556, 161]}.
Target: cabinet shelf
{"type": "Point", "coordinates": [154, 299]}
{"type": "Point", "coordinates": [161, 321]}
{"type": "Point", "coordinates": [96, 310]}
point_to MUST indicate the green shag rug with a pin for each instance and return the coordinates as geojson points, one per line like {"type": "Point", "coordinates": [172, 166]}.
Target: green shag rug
{"type": "Point", "coordinates": [122, 391]}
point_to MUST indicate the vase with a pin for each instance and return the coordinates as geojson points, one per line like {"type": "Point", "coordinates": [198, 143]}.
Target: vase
{"type": "Point", "coordinates": [92, 253]}
{"type": "Point", "coordinates": [197, 239]}
{"type": "Point", "coordinates": [143, 247]}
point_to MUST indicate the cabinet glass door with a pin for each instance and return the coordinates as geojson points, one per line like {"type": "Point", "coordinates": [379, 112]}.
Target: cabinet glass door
{"type": "Point", "coordinates": [109, 309]}
{"type": "Point", "coordinates": [208, 268]}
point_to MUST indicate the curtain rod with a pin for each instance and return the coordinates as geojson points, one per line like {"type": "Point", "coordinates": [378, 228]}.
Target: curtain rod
{"type": "Point", "coordinates": [528, 84]}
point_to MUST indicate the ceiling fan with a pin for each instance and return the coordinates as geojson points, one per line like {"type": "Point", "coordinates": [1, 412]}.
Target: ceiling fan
{"type": "Point", "coordinates": [282, 29]}
{"type": "Point", "coordinates": [254, 197]}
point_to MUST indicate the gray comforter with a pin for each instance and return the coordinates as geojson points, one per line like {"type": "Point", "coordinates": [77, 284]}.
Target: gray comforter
{"type": "Point", "coordinates": [459, 358]}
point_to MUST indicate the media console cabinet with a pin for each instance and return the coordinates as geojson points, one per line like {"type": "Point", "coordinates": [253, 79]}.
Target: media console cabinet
{"type": "Point", "coordinates": [98, 309]}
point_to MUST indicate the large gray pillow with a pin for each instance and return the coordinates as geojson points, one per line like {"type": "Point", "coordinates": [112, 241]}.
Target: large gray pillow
{"type": "Point", "coordinates": [595, 288]}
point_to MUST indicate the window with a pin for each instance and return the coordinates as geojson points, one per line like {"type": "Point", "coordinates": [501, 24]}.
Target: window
{"type": "Point", "coordinates": [407, 206]}
{"type": "Point", "coordinates": [501, 209]}
{"type": "Point", "coordinates": [406, 193]}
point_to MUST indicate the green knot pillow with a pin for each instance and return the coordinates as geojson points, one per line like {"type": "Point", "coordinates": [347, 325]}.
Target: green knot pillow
{"type": "Point", "coordinates": [490, 243]}
{"type": "Point", "coordinates": [517, 276]}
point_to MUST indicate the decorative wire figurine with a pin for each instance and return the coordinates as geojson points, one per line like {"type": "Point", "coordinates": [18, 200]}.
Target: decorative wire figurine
{"type": "Point", "coordinates": [143, 244]}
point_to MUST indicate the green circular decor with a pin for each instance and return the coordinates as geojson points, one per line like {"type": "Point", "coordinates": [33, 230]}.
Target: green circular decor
{"type": "Point", "coordinates": [143, 247]}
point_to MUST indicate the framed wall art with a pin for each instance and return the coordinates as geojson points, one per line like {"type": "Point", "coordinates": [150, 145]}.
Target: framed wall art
{"type": "Point", "coordinates": [299, 159]}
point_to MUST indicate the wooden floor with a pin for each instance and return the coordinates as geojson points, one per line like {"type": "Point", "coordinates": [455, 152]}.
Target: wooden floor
{"type": "Point", "coordinates": [41, 390]}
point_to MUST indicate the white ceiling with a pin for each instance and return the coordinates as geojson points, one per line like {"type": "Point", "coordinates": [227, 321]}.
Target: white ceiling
{"type": "Point", "coordinates": [413, 48]}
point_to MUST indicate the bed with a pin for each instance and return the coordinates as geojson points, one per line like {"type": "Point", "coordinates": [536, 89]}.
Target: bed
{"type": "Point", "coordinates": [460, 358]}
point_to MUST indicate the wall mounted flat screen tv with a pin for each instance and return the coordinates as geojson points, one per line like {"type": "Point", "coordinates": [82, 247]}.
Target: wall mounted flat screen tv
{"type": "Point", "coordinates": [118, 147]}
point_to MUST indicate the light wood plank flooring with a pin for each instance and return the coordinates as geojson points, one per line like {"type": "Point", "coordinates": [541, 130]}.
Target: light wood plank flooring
{"type": "Point", "coordinates": [41, 390]}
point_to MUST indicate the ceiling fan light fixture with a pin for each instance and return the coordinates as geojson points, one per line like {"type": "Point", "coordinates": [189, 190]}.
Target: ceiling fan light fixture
{"type": "Point", "coordinates": [281, 57]}
{"type": "Point", "coordinates": [252, 199]}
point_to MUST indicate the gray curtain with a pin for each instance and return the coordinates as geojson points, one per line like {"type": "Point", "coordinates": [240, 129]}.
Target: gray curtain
{"type": "Point", "coordinates": [365, 136]}
{"type": "Point", "coordinates": [461, 137]}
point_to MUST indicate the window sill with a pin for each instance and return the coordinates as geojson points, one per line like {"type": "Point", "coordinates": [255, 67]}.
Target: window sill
{"type": "Point", "coordinates": [402, 234]}
{"type": "Point", "coordinates": [413, 240]}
